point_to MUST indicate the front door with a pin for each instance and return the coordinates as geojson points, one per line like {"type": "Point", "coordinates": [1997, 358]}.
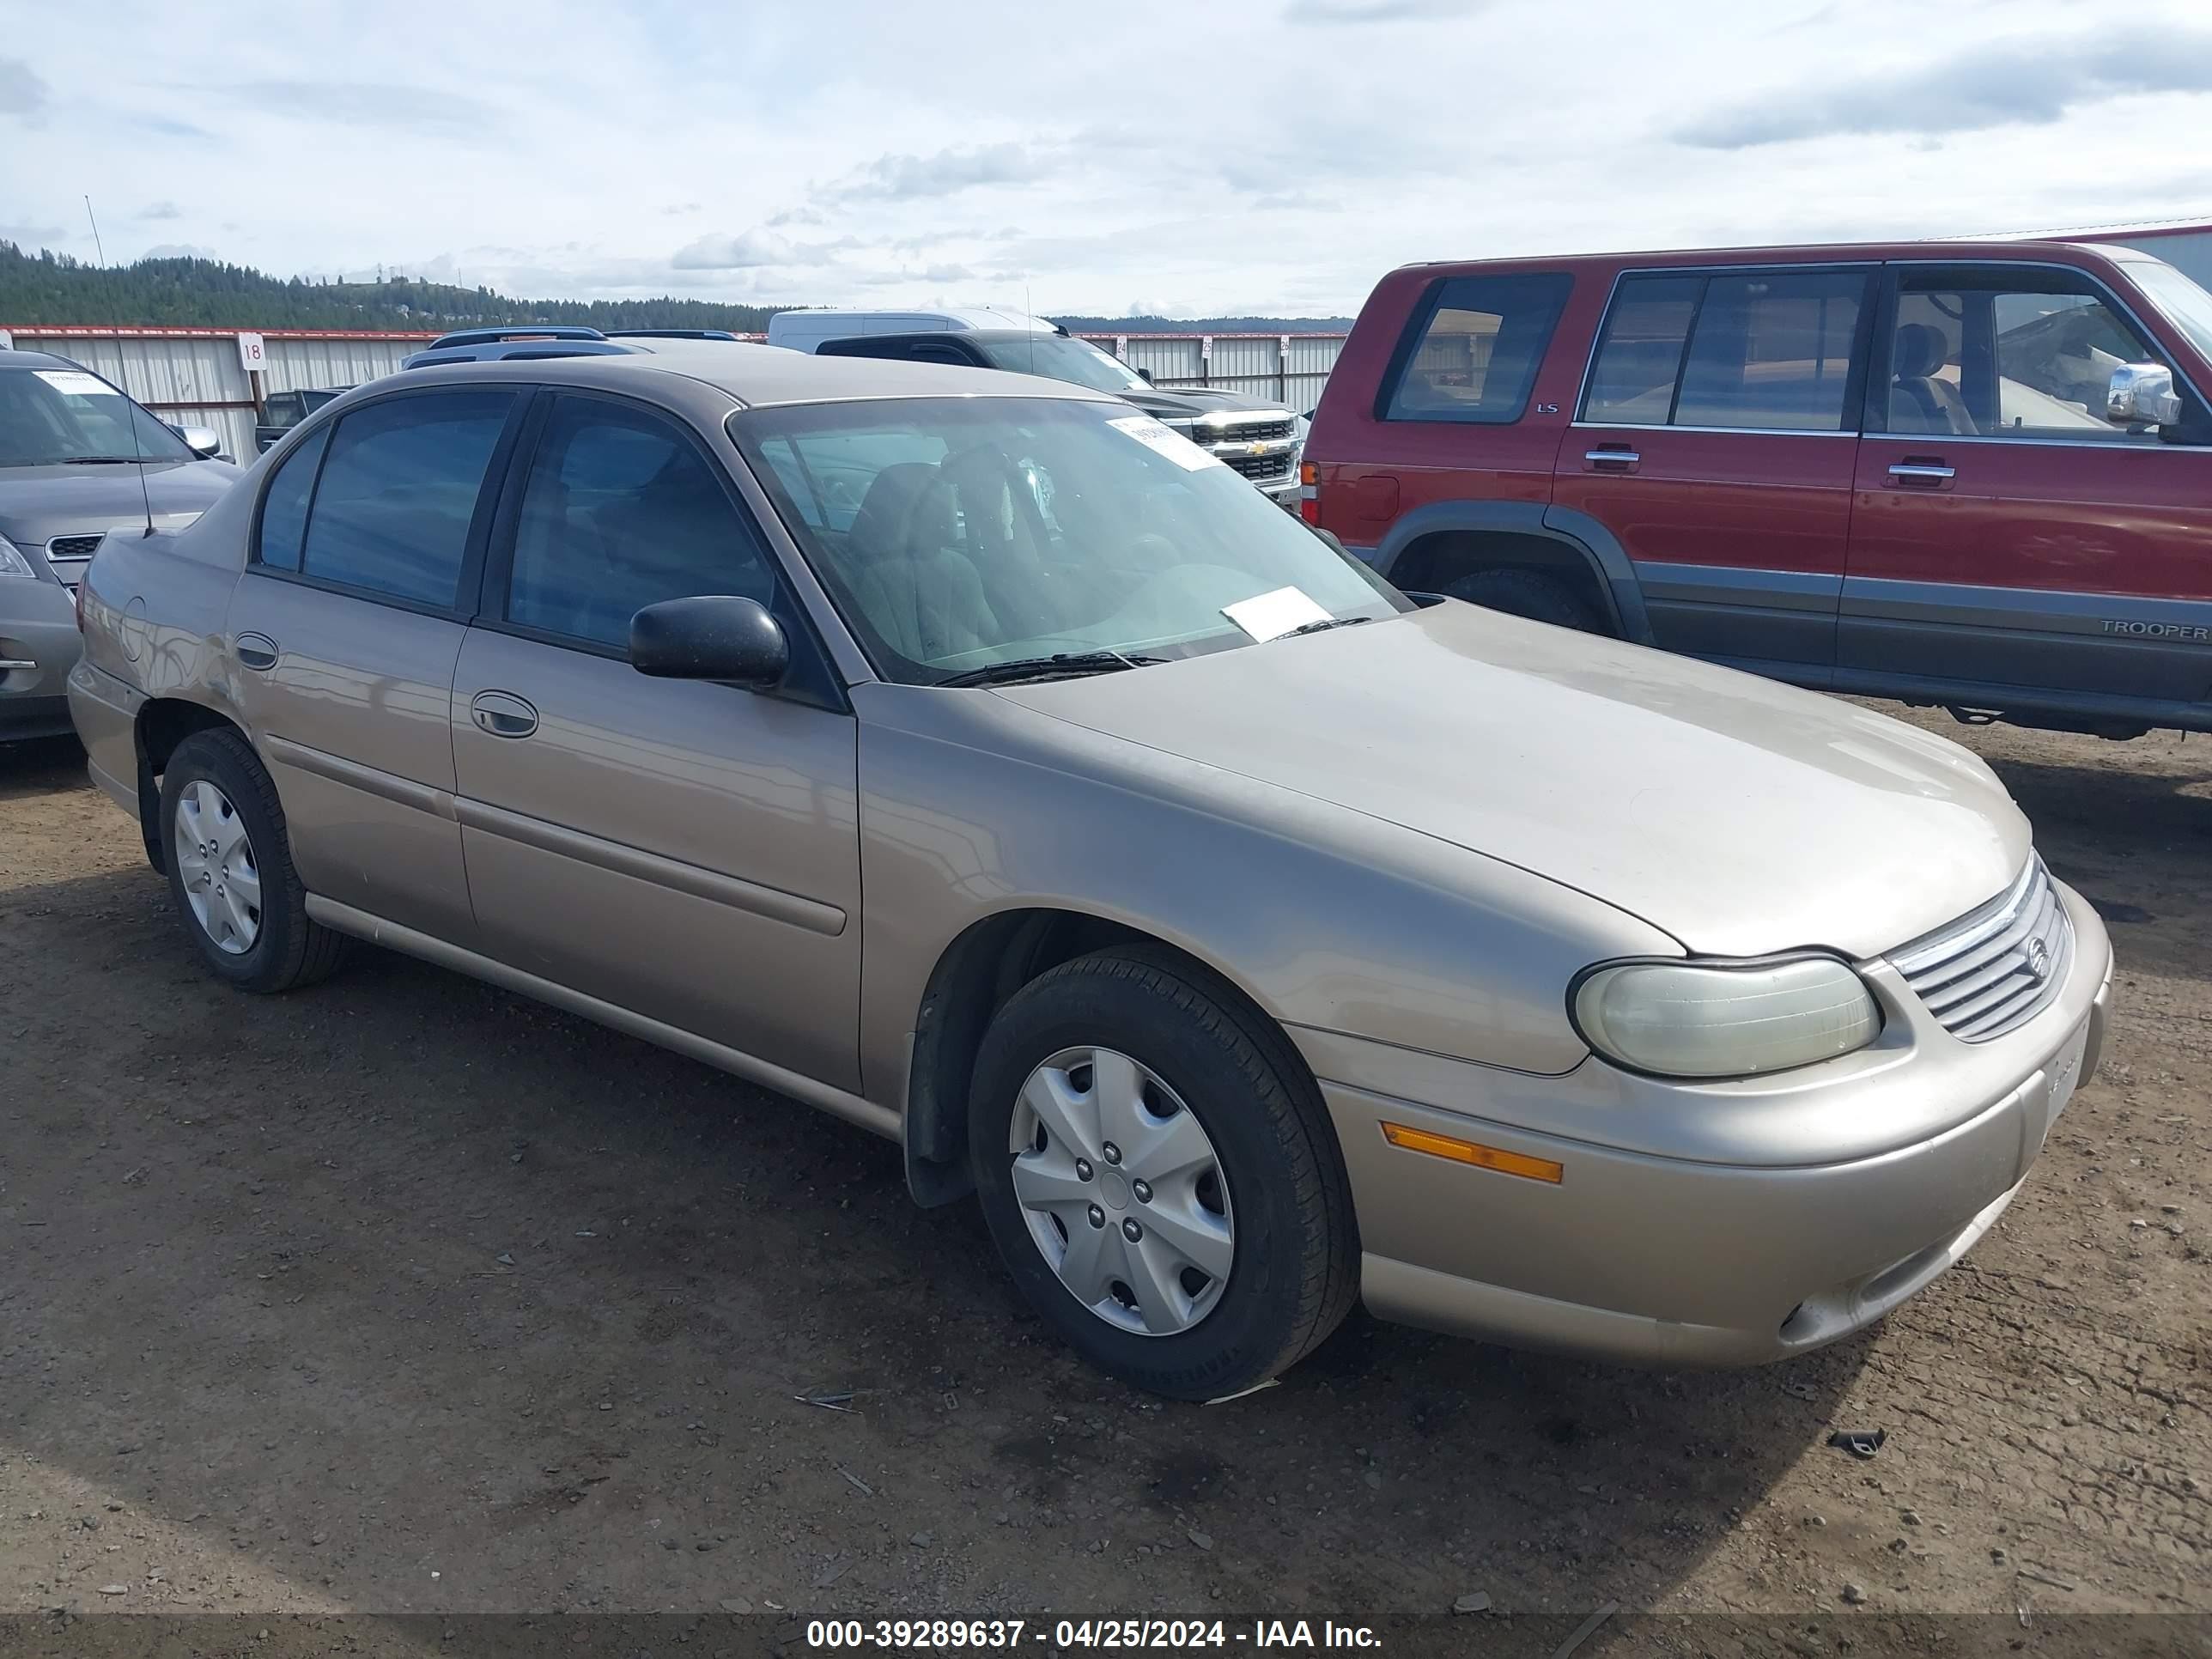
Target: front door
{"type": "Point", "coordinates": [683, 850]}
{"type": "Point", "coordinates": [1715, 441]}
{"type": "Point", "coordinates": [346, 625]}
{"type": "Point", "coordinates": [2007, 534]}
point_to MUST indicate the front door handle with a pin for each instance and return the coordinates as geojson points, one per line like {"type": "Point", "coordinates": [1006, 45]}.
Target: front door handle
{"type": "Point", "coordinates": [257, 651]}
{"type": "Point", "coordinates": [502, 714]}
{"type": "Point", "coordinates": [1923, 472]}
{"type": "Point", "coordinates": [1613, 457]}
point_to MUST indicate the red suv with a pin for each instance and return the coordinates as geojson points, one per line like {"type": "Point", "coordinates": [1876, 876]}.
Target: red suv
{"type": "Point", "coordinates": [1970, 475]}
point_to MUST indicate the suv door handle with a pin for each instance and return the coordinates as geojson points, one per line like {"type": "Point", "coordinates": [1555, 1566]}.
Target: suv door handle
{"type": "Point", "coordinates": [502, 714]}
{"type": "Point", "coordinates": [257, 651]}
{"type": "Point", "coordinates": [1619, 455]}
{"type": "Point", "coordinates": [1928, 471]}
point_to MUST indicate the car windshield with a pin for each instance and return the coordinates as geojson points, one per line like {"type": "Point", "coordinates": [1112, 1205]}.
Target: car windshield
{"type": "Point", "coordinates": [1063, 357]}
{"type": "Point", "coordinates": [955, 533]}
{"type": "Point", "coordinates": [2184, 303]}
{"type": "Point", "coordinates": [52, 416]}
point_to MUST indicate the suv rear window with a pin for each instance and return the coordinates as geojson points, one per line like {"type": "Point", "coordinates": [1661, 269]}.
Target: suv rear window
{"type": "Point", "coordinates": [1761, 350]}
{"type": "Point", "coordinates": [1472, 351]}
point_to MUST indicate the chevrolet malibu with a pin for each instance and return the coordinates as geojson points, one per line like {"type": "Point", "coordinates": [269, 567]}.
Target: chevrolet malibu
{"type": "Point", "coordinates": [975, 759]}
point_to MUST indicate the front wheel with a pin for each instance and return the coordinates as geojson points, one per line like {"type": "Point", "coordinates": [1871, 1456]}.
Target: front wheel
{"type": "Point", "coordinates": [1160, 1176]}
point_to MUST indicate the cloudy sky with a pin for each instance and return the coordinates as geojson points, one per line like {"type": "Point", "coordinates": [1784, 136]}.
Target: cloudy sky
{"type": "Point", "coordinates": [1153, 154]}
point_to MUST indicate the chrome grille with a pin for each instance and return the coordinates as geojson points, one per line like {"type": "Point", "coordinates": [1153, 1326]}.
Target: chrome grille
{"type": "Point", "coordinates": [1265, 429]}
{"type": "Point", "coordinates": [1997, 965]}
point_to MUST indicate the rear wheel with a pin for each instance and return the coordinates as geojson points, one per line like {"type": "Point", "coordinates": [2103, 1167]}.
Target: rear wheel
{"type": "Point", "coordinates": [1160, 1176]}
{"type": "Point", "coordinates": [230, 868]}
{"type": "Point", "coordinates": [1531, 593]}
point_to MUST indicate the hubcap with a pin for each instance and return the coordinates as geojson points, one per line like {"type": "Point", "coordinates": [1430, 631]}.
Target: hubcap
{"type": "Point", "coordinates": [1122, 1191]}
{"type": "Point", "coordinates": [214, 858]}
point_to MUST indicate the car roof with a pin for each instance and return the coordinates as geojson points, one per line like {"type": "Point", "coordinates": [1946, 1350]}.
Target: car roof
{"type": "Point", "coordinates": [760, 376]}
{"type": "Point", "coordinates": [1962, 250]}
{"type": "Point", "coordinates": [19, 358]}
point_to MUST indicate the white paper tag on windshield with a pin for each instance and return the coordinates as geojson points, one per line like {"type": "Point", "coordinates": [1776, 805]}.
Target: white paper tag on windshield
{"type": "Point", "coordinates": [1265, 615]}
{"type": "Point", "coordinates": [76, 383]}
{"type": "Point", "coordinates": [1173, 445]}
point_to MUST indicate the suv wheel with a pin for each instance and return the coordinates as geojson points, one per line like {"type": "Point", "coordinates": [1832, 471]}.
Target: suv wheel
{"type": "Point", "coordinates": [1160, 1176]}
{"type": "Point", "coordinates": [230, 869]}
{"type": "Point", "coordinates": [1529, 593]}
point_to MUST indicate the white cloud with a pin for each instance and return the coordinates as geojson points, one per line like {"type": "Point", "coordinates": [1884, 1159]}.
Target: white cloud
{"type": "Point", "coordinates": [936, 147]}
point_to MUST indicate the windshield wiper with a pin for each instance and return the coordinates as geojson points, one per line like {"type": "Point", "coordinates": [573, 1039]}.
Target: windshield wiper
{"type": "Point", "coordinates": [100, 460]}
{"type": "Point", "coordinates": [1038, 668]}
{"type": "Point", "coordinates": [1324, 624]}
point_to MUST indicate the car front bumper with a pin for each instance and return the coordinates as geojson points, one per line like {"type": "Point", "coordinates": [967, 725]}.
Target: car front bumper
{"type": "Point", "coordinates": [1684, 1261]}
{"type": "Point", "coordinates": [39, 643]}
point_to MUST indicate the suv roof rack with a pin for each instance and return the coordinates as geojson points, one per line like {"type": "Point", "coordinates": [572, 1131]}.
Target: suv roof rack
{"type": "Point", "coordinates": [669, 334]}
{"type": "Point", "coordinates": [461, 336]}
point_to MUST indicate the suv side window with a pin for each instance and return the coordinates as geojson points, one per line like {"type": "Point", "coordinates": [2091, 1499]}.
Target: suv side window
{"type": "Point", "coordinates": [1473, 349]}
{"type": "Point", "coordinates": [397, 492]}
{"type": "Point", "coordinates": [1767, 350]}
{"type": "Point", "coordinates": [1993, 352]}
{"type": "Point", "coordinates": [622, 510]}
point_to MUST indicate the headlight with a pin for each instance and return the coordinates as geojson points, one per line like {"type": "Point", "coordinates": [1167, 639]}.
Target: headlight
{"type": "Point", "coordinates": [1690, 1020]}
{"type": "Point", "coordinates": [13, 564]}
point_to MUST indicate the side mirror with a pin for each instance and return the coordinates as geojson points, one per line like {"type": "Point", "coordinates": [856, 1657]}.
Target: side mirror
{"type": "Point", "coordinates": [716, 636]}
{"type": "Point", "coordinates": [1145, 375]}
{"type": "Point", "coordinates": [2142, 394]}
{"type": "Point", "coordinates": [204, 442]}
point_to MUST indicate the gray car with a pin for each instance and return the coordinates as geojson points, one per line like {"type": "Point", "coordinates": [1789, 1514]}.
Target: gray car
{"type": "Point", "coordinates": [77, 458]}
{"type": "Point", "coordinates": [970, 757]}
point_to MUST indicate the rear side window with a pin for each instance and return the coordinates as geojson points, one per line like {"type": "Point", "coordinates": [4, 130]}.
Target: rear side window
{"type": "Point", "coordinates": [1473, 349]}
{"type": "Point", "coordinates": [284, 508]}
{"type": "Point", "coordinates": [1769, 350]}
{"type": "Point", "coordinates": [397, 492]}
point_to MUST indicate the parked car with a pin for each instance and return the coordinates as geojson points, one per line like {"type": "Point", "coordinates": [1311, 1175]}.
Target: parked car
{"type": "Point", "coordinates": [1975, 476]}
{"type": "Point", "coordinates": [524, 340]}
{"type": "Point", "coordinates": [1249, 435]}
{"type": "Point", "coordinates": [77, 458]}
{"type": "Point", "coordinates": [282, 411]}
{"type": "Point", "coordinates": [977, 761]}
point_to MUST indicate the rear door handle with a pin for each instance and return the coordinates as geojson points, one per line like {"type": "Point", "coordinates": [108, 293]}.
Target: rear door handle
{"type": "Point", "coordinates": [502, 714]}
{"type": "Point", "coordinates": [1612, 455]}
{"type": "Point", "coordinates": [257, 651]}
{"type": "Point", "coordinates": [1923, 473]}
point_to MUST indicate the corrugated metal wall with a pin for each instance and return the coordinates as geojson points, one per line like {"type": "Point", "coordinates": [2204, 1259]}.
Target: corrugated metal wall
{"type": "Point", "coordinates": [193, 377]}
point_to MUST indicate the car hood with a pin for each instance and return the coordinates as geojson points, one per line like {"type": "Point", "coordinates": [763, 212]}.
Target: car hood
{"type": "Point", "coordinates": [1189, 403]}
{"type": "Point", "coordinates": [1741, 816]}
{"type": "Point", "coordinates": [40, 502]}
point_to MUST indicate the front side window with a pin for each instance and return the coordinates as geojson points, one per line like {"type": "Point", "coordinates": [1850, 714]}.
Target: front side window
{"type": "Point", "coordinates": [2026, 354]}
{"type": "Point", "coordinates": [68, 418]}
{"type": "Point", "coordinates": [1478, 349]}
{"type": "Point", "coordinates": [955, 533]}
{"type": "Point", "coordinates": [1768, 350]}
{"type": "Point", "coordinates": [397, 492]}
{"type": "Point", "coordinates": [622, 511]}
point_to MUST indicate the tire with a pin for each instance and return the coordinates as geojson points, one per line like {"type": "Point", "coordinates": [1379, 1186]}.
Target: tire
{"type": "Point", "coordinates": [1294, 1273]}
{"type": "Point", "coordinates": [1529, 593]}
{"type": "Point", "coordinates": [285, 950]}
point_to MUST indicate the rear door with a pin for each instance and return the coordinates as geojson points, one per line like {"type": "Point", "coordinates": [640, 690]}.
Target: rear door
{"type": "Point", "coordinates": [2007, 534]}
{"type": "Point", "coordinates": [345, 626]}
{"type": "Point", "coordinates": [1716, 439]}
{"type": "Point", "coordinates": [684, 850]}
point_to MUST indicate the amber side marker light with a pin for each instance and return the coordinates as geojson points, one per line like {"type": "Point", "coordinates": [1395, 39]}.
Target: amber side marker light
{"type": "Point", "coordinates": [1472, 1152]}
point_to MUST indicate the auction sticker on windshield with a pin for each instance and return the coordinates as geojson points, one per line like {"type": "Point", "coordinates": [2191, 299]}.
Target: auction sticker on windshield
{"type": "Point", "coordinates": [1173, 445]}
{"type": "Point", "coordinates": [76, 383]}
{"type": "Point", "coordinates": [1268, 616]}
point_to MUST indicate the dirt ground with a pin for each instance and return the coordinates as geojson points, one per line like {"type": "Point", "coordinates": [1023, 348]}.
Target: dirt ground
{"type": "Point", "coordinates": [407, 1295]}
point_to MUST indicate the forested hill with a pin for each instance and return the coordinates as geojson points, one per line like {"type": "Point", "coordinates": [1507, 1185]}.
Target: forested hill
{"type": "Point", "coordinates": [54, 287]}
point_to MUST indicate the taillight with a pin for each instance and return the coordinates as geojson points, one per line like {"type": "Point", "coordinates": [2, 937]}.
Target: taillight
{"type": "Point", "coordinates": [1309, 493]}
